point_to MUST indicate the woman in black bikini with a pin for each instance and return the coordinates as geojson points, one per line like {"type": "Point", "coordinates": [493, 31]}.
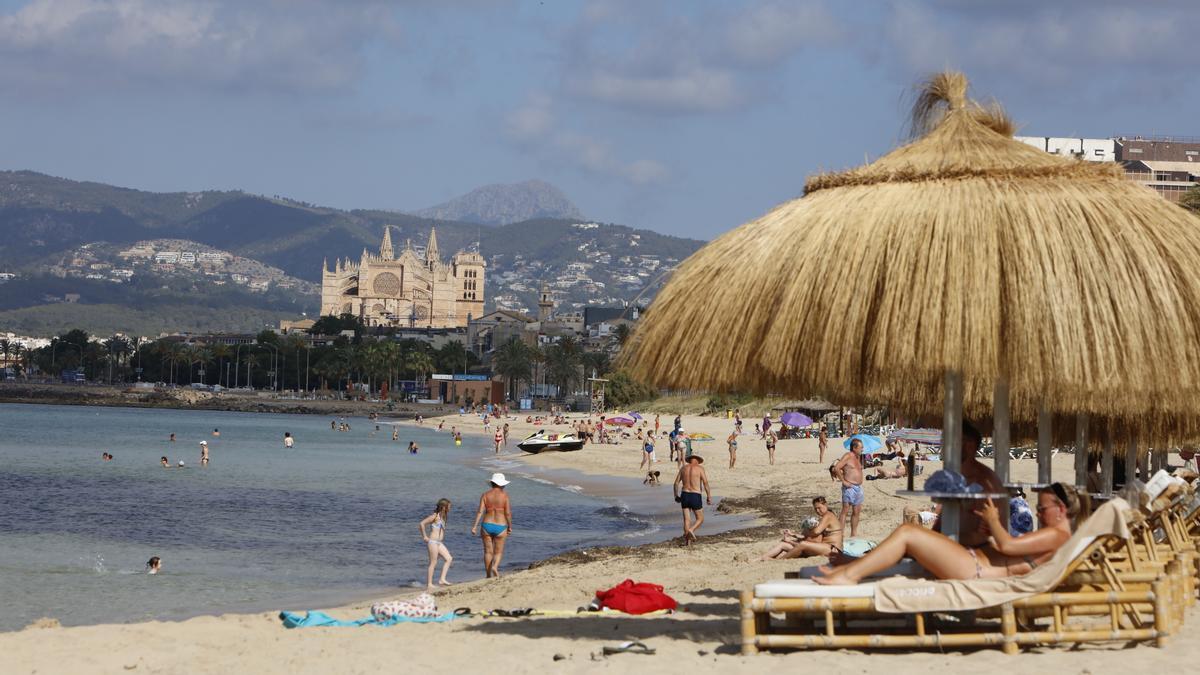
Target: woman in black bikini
{"type": "Point", "coordinates": [823, 539]}
{"type": "Point", "coordinates": [947, 559]}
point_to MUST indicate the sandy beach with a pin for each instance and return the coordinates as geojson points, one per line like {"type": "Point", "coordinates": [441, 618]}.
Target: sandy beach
{"type": "Point", "coordinates": [705, 578]}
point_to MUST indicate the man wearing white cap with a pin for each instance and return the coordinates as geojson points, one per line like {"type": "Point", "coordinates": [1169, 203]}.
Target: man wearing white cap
{"type": "Point", "coordinates": [203, 453]}
{"type": "Point", "coordinates": [495, 517]}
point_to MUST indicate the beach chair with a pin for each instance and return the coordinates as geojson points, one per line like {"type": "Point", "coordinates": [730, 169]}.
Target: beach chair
{"type": "Point", "coordinates": [1077, 585]}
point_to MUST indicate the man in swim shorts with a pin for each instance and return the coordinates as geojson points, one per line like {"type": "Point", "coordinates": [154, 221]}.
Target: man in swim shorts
{"type": "Point", "coordinates": [848, 469]}
{"type": "Point", "coordinates": [688, 483]}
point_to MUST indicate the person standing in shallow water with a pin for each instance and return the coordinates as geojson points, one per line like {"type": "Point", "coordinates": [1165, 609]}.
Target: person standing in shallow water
{"type": "Point", "coordinates": [495, 519]}
{"type": "Point", "coordinates": [688, 483]}
{"type": "Point", "coordinates": [203, 453]}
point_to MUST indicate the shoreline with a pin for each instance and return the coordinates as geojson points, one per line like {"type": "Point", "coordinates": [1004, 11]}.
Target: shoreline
{"type": "Point", "coordinates": [704, 578]}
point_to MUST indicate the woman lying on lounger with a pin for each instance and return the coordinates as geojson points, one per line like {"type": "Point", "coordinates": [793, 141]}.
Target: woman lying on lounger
{"type": "Point", "coordinates": [825, 538]}
{"type": "Point", "coordinates": [947, 559]}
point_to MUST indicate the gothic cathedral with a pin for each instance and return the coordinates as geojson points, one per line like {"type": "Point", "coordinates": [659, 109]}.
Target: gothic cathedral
{"type": "Point", "coordinates": [406, 290]}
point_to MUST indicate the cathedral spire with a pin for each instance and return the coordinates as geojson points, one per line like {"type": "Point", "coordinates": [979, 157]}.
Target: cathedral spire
{"type": "Point", "coordinates": [431, 250]}
{"type": "Point", "coordinates": [324, 265]}
{"type": "Point", "coordinates": [385, 249]}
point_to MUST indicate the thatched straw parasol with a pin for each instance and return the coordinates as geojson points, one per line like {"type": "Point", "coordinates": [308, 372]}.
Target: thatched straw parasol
{"type": "Point", "coordinates": [965, 251]}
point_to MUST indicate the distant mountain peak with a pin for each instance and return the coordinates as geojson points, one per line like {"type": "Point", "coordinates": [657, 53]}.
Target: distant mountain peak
{"type": "Point", "coordinates": [504, 203]}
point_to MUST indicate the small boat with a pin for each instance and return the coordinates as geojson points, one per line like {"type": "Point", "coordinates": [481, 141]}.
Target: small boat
{"type": "Point", "coordinates": [541, 441]}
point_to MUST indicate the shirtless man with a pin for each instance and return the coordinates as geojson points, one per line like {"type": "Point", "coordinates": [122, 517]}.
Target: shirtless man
{"type": "Point", "coordinates": [974, 531]}
{"type": "Point", "coordinates": [822, 444]}
{"type": "Point", "coordinates": [203, 453]}
{"type": "Point", "coordinates": [849, 471]}
{"type": "Point", "coordinates": [688, 483]}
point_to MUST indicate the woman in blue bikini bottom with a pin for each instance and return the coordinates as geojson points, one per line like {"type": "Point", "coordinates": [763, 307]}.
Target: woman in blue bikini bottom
{"type": "Point", "coordinates": [495, 517]}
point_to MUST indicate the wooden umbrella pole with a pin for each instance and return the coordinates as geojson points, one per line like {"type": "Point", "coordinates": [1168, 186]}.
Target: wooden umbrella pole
{"type": "Point", "coordinates": [1131, 463]}
{"type": "Point", "coordinates": [1001, 438]}
{"type": "Point", "coordinates": [1044, 444]}
{"type": "Point", "coordinates": [952, 396]}
{"type": "Point", "coordinates": [1081, 450]}
{"type": "Point", "coordinates": [1106, 463]}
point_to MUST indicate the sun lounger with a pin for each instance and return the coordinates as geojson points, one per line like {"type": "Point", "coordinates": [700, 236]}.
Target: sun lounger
{"type": "Point", "coordinates": [1077, 583]}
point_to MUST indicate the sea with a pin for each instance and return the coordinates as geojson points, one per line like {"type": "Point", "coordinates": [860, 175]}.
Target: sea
{"type": "Point", "coordinates": [332, 520]}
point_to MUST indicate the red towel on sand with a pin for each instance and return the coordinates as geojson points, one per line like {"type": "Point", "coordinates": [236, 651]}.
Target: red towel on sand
{"type": "Point", "coordinates": [635, 598]}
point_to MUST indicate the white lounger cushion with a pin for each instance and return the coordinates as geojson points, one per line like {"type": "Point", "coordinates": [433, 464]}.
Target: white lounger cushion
{"type": "Point", "coordinates": [805, 588]}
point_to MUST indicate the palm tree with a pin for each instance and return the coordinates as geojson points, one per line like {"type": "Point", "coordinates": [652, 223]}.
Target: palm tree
{"type": "Point", "coordinates": [596, 363]}
{"type": "Point", "coordinates": [5, 349]}
{"type": "Point", "coordinates": [562, 362]}
{"type": "Point", "coordinates": [220, 353]}
{"type": "Point", "coordinates": [454, 356]}
{"type": "Point", "coordinates": [622, 333]}
{"type": "Point", "coordinates": [514, 362]}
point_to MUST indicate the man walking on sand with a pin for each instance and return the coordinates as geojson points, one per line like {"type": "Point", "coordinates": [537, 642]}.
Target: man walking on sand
{"type": "Point", "coordinates": [688, 483]}
{"type": "Point", "coordinates": [849, 470]}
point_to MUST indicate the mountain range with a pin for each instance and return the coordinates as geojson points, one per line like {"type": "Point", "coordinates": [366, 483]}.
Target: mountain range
{"type": "Point", "coordinates": [54, 232]}
{"type": "Point", "coordinates": [503, 204]}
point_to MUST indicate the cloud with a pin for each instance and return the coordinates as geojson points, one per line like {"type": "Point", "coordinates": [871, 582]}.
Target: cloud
{"type": "Point", "coordinates": [297, 46]}
{"type": "Point", "coordinates": [535, 127]}
{"type": "Point", "coordinates": [644, 57]}
{"type": "Point", "coordinates": [1045, 45]}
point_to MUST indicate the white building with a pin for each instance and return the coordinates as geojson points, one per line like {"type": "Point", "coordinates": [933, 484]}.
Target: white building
{"type": "Point", "coordinates": [166, 257]}
{"type": "Point", "coordinates": [1091, 149]}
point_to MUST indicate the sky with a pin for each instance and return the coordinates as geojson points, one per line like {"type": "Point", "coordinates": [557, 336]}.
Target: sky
{"type": "Point", "coordinates": [688, 118]}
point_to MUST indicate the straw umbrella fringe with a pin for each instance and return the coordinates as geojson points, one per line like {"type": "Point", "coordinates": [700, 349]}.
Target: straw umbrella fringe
{"type": "Point", "coordinates": [963, 251]}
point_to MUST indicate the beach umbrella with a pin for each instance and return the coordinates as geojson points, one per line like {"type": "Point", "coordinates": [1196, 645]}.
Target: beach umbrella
{"type": "Point", "coordinates": [700, 436]}
{"type": "Point", "coordinates": [621, 420]}
{"type": "Point", "coordinates": [636, 416]}
{"type": "Point", "coordinates": [871, 444]}
{"type": "Point", "coordinates": [795, 419]}
{"type": "Point", "coordinates": [962, 272]}
{"type": "Point", "coordinates": [922, 436]}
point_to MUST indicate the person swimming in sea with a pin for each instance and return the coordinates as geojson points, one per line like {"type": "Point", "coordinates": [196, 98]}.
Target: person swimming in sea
{"type": "Point", "coordinates": [216, 432]}
{"type": "Point", "coordinates": [495, 519]}
{"type": "Point", "coordinates": [154, 565]}
{"type": "Point", "coordinates": [163, 461]}
{"type": "Point", "coordinates": [171, 439]}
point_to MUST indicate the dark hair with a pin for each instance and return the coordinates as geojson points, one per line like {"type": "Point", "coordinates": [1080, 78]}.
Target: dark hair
{"type": "Point", "coordinates": [818, 500]}
{"type": "Point", "coordinates": [162, 459]}
{"type": "Point", "coordinates": [443, 507]}
{"type": "Point", "coordinates": [969, 431]}
{"type": "Point", "coordinates": [854, 442]}
{"type": "Point", "coordinates": [153, 561]}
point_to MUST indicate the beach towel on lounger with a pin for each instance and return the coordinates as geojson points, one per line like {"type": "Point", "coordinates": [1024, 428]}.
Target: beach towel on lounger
{"type": "Point", "coordinates": [314, 618]}
{"type": "Point", "coordinates": [900, 595]}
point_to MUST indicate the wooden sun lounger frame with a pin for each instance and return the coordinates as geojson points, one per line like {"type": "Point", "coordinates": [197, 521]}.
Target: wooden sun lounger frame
{"type": "Point", "coordinates": [1144, 600]}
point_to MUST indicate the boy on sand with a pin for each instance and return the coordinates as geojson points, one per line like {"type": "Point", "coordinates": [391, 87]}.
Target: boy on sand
{"type": "Point", "coordinates": [849, 471]}
{"type": "Point", "coordinates": [688, 483]}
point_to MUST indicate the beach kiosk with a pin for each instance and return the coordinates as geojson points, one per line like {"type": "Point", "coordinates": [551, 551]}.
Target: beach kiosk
{"type": "Point", "coordinates": [964, 273]}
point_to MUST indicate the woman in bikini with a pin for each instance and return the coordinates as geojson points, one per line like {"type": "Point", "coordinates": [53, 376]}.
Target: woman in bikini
{"type": "Point", "coordinates": [495, 517]}
{"type": "Point", "coordinates": [825, 538]}
{"type": "Point", "coordinates": [435, 539]}
{"type": "Point", "coordinates": [947, 559]}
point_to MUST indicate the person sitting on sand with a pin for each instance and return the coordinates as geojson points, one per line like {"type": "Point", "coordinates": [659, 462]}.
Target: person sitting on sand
{"type": "Point", "coordinates": [435, 539]}
{"type": "Point", "coordinates": [652, 478]}
{"type": "Point", "coordinates": [947, 559]}
{"type": "Point", "coordinates": [154, 565]}
{"type": "Point", "coordinates": [495, 518]}
{"type": "Point", "coordinates": [824, 538]}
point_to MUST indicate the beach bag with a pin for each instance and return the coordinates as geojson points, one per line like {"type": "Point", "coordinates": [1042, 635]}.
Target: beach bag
{"type": "Point", "coordinates": [635, 598]}
{"type": "Point", "coordinates": [422, 607]}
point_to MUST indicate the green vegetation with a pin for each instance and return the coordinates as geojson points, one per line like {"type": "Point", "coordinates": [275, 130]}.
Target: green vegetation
{"type": "Point", "coordinates": [623, 391]}
{"type": "Point", "coordinates": [106, 319]}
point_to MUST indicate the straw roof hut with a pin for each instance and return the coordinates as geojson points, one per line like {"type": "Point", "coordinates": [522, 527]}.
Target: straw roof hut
{"type": "Point", "coordinates": [964, 251]}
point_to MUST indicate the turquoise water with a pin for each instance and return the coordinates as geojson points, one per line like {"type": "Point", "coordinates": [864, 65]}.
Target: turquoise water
{"type": "Point", "coordinates": [262, 527]}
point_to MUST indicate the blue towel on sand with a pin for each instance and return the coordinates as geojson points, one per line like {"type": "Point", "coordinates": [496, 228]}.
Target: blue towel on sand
{"type": "Point", "coordinates": [314, 618]}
